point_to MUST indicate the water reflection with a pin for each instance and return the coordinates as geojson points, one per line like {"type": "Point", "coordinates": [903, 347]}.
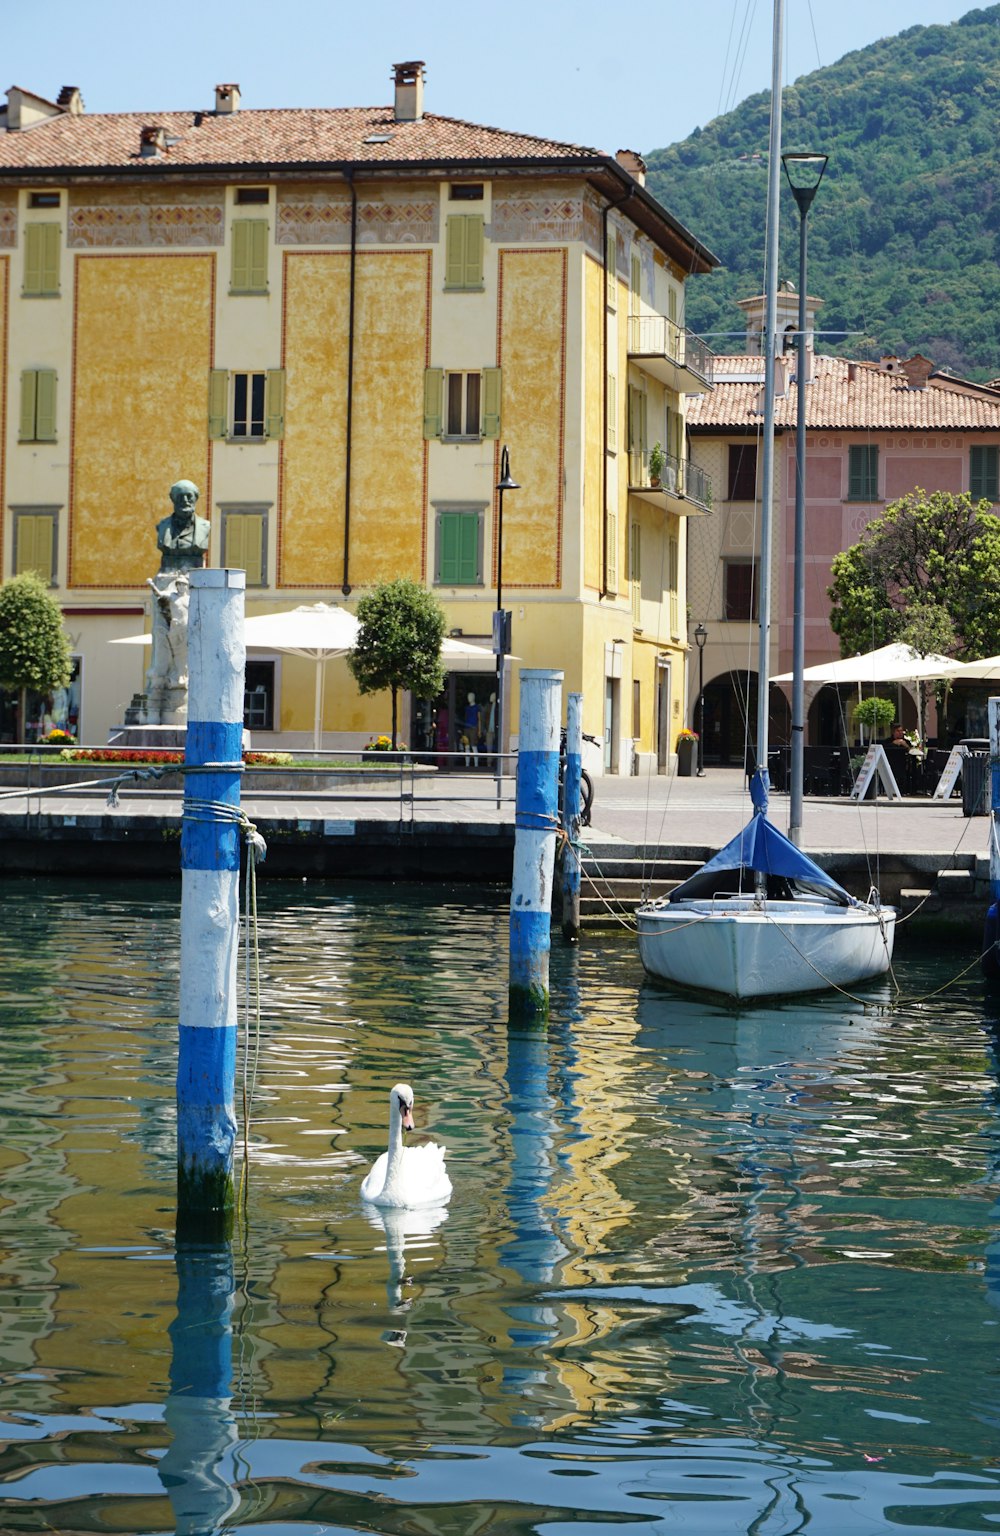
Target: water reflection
{"type": "Point", "coordinates": [742, 1263]}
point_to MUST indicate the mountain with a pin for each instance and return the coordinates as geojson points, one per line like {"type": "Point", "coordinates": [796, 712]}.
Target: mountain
{"type": "Point", "coordinates": [904, 234]}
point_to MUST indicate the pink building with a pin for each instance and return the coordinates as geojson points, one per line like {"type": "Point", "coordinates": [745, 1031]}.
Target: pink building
{"type": "Point", "coordinates": [875, 430]}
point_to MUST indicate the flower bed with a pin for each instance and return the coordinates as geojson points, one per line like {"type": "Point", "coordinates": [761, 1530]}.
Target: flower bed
{"type": "Point", "coordinates": [161, 757]}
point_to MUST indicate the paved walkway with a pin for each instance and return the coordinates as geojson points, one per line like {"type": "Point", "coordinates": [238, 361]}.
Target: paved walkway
{"type": "Point", "coordinates": [676, 813]}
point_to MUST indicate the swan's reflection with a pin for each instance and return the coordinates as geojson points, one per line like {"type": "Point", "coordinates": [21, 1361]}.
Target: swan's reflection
{"type": "Point", "coordinates": [403, 1230]}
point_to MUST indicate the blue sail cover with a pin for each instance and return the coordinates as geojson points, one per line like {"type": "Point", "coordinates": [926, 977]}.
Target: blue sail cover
{"type": "Point", "coordinates": [761, 847]}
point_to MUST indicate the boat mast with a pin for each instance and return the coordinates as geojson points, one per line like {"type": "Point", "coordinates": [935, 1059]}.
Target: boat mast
{"type": "Point", "coordinates": [767, 476]}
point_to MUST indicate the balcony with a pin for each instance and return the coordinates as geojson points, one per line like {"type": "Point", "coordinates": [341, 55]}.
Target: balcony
{"type": "Point", "coordinates": [683, 487]}
{"type": "Point", "coordinates": [676, 357]}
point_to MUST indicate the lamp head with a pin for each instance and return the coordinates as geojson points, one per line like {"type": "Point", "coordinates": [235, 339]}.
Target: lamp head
{"type": "Point", "coordinates": [804, 172]}
{"type": "Point", "coordinates": [506, 483]}
{"type": "Point", "coordinates": [700, 636]}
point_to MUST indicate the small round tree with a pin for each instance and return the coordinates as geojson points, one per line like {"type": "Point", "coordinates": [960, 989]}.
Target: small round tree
{"type": "Point", "coordinates": [34, 651]}
{"type": "Point", "coordinates": [399, 643]}
{"type": "Point", "coordinates": [875, 713]}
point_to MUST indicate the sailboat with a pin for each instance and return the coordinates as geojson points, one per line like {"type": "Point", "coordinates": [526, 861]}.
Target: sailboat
{"type": "Point", "coordinates": [761, 919]}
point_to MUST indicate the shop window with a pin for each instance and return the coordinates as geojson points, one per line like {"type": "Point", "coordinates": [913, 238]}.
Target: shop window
{"type": "Point", "coordinates": [258, 698]}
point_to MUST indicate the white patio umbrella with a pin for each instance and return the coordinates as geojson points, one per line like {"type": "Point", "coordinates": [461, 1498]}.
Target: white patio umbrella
{"type": "Point", "coordinates": [890, 664]}
{"type": "Point", "coordinates": [971, 671]}
{"type": "Point", "coordinates": [317, 631]}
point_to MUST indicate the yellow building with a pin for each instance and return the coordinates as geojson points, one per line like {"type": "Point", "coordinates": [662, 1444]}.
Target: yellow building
{"type": "Point", "coordinates": [332, 321]}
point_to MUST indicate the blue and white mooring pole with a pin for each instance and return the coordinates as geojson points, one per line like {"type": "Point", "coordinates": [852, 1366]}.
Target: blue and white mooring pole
{"type": "Point", "coordinates": [571, 818]}
{"type": "Point", "coordinates": [991, 938]}
{"type": "Point", "coordinates": [535, 822]}
{"type": "Point", "coordinates": [210, 916]}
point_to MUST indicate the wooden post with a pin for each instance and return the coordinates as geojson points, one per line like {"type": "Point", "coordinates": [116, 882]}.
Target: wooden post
{"type": "Point", "coordinates": [571, 819]}
{"type": "Point", "coordinates": [210, 871]}
{"type": "Point", "coordinates": [535, 822]}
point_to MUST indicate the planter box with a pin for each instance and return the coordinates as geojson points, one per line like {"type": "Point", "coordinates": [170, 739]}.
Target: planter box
{"type": "Point", "coordinates": [384, 759]}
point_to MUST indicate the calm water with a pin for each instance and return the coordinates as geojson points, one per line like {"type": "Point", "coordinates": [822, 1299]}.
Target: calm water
{"type": "Point", "coordinates": [703, 1271]}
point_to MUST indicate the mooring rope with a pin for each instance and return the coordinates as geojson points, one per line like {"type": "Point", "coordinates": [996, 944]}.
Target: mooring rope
{"type": "Point", "coordinates": [111, 785]}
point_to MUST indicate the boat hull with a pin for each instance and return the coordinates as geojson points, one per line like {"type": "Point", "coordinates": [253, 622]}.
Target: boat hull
{"type": "Point", "coordinates": [738, 949]}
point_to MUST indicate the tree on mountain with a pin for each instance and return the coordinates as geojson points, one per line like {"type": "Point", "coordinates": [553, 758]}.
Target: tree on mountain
{"type": "Point", "coordinates": [399, 643]}
{"type": "Point", "coordinates": [34, 651]}
{"type": "Point", "coordinates": [923, 573]}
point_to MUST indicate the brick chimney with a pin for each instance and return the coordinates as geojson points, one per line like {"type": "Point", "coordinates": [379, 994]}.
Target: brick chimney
{"type": "Point", "coordinates": [152, 141]}
{"type": "Point", "coordinates": [633, 163]}
{"type": "Point", "coordinates": [918, 370]}
{"type": "Point", "coordinates": [409, 79]}
{"type": "Point", "coordinates": [71, 100]}
{"type": "Point", "coordinates": [227, 99]}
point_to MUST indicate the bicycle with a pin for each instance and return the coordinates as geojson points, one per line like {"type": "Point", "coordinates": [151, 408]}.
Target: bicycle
{"type": "Point", "coordinates": [586, 782]}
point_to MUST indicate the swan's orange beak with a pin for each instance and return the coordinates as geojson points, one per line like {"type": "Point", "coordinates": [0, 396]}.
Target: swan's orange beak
{"type": "Point", "coordinates": [406, 1115]}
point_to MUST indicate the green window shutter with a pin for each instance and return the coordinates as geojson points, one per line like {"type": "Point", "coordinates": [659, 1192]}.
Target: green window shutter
{"type": "Point", "coordinates": [218, 400]}
{"type": "Point", "coordinates": [612, 413]}
{"type": "Point", "coordinates": [29, 395]}
{"type": "Point", "coordinates": [862, 472]}
{"type": "Point", "coordinates": [433, 396]}
{"type": "Point", "coordinates": [635, 568]}
{"type": "Point", "coordinates": [41, 258]}
{"type": "Point", "coordinates": [458, 549]}
{"type": "Point", "coordinates": [274, 405]}
{"type": "Point", "coordinates": [463, 251]}
{"type": "Point", "coordinates": [612, 538]}
{"type": "Point", "coordinates": [45, 406]}
{"type": "Point", "coordinates": [491, 402]}
{"type": "Point", "coordinates": [259, 233]}
{"type": "Point", "coordinates": [611, 258]}
{"type": "Point", "coordinates": [245, 545]}
{"type": "Point", "coordinates": [250, 239]}
{"type": "Point", "coordinates": [35, 544]}
{"type": "Point", "coordinates": [635, 283]}
{"type": "Point", "coordinates": [474, 250]}
{"type": "Point", "coordinates": [984, 478]}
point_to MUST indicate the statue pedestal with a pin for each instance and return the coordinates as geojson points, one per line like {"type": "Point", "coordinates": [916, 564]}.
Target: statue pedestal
{"type": "Point", "coordinates": [137, 738]}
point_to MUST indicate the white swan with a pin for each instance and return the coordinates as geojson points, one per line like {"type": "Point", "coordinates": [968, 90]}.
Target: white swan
{"type": "Point", "coordinates": [406, 1176]}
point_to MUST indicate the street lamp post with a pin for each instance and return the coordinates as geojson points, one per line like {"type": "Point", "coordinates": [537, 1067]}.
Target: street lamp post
{"type": "Point", "coordinates": [700, 636]}
{"type": "Point", "coordinates": [501, 620]}
{"type": "Point", "coordinates": [804, 173]}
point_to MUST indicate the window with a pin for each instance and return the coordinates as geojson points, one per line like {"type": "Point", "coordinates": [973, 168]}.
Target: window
{"type": "Point", "coordinates": [250, 242]}
{"type": "Point", "coordinates": [862, 473]}
{"type": "Point", "coordinates": [984, 479]}
{"type": "Point", "coordinates": [637, 439]}
{"type": "Point", "coordinates": [244, 542]}
{"type": "Point", "coordinates": [246, 406]}
{"type": "Point", "coordinates": [466, 192]}
{"type": "Point", "coordinates": [673, 583]}
{"type": "Point", "coordinates": [612, 443]}
{"type": "Point", "coordinates": [463, 256]}
{"type": "Point", "coordinates": [635, 570]}
{"type": "Point", "coordinates": [258, 697]}
{"type": "Point", "coordinates": [246, 195]}
{"type": "Point", "coordinates": [611, 262]}
{"type": "Point", "coordinates": [38, 406]}
{"type": "Point", "coordinates": [635, 283]}
{"type": "Point", "coordinates": [43, 200]}
{"type": "Point", "coordinates": [740, 577]}
{"type": "Point", "coordinates": [35, 542]}
{"type": "Point", "coordinates": [742, 471]}
{"type": "Point", "coordinates": [465, 404]}
{"type": "Point", "coordinates": [41, 261]}
{"type": "Point", "coordinates": [459, 547]}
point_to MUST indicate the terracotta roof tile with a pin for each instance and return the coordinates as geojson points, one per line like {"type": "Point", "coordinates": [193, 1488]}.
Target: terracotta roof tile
{"type": "Point", "coordinates": [289, 136]}
{"type": "Point", "coordinates": [847, 396]}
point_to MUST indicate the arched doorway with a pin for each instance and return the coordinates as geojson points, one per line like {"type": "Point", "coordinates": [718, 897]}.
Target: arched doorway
{"type": "Point", "coordinates": [731, 718]}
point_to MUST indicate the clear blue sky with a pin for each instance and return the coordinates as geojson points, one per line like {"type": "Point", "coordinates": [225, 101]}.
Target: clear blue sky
{"type": "Point", "coordinates": [587, 72]}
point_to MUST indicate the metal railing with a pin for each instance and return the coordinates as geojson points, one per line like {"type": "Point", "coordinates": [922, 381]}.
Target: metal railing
{"type": "Point", "coordinates": [657, 336]}
{"type": "Point", "coordinates": [677, 477]}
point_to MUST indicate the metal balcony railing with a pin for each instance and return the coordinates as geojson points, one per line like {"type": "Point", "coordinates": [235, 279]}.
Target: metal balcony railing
{"type": "Point", "coordinates": [656, 336]}
{"type": "Point", "coordinates": [677, 477]}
